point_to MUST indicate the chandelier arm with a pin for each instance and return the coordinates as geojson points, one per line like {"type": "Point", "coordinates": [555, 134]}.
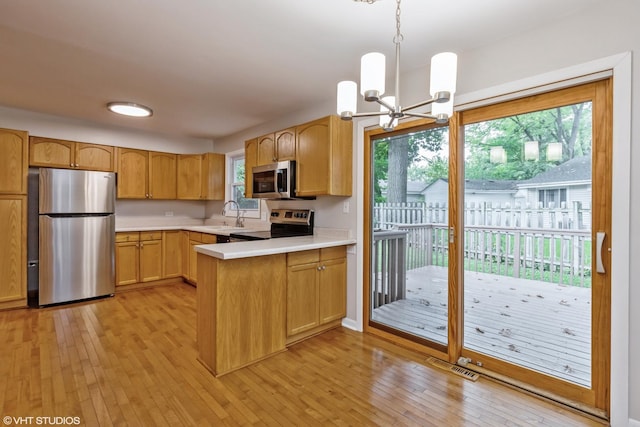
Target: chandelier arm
{"type": "Point", "coordinates": [371, 114]}
{"type": "Point", "coordinates": [391, 108]}
{"type": "Point", "coordinates": [440, 118]}
{"type": "Point", "coordinates": [420, 104]}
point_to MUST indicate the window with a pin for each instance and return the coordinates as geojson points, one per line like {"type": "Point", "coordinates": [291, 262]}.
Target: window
{"type": "Point", "coordinates": [557, 197]}
{"type": "Point", "coordinates": [235, 180]}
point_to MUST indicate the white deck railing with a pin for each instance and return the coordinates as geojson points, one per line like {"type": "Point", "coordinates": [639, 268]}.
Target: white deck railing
{"type": "Point", "coordinates": [549, 255]}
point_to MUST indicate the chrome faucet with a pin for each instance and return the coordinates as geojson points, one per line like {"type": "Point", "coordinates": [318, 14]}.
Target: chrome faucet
{"type": "Point", "coordinates": [239, 220]}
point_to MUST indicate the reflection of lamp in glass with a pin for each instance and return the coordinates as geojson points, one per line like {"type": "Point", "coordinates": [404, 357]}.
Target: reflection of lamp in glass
{"type": "Point", "coordinates": [497, 155]}
{"type": "Point", "coordinates": [554, 151]}
{"type": "Point", "coordinates": [531, 150]}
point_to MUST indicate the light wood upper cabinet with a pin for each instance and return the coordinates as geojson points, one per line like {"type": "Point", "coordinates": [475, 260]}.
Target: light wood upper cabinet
{"type": "Point", "coordinates": [189, 176]}
{"type": "Point", "coordinates": [13, 251]}
{"type": "Point", "coordinates": [56, 153]}
{"type": "Point", "coordinates": [146, 174]}
{"type": "Point", "coordinates": [162, 175]}
{"type": "Point", "coordinates": [277, 147]}
{"type": "Point", "coordinates": [250, 160]}
{"type": "Point", "coordinates": [14, 146]}
{"type": "Point", "coordinates": [201, 176]}
{"type": "Point", "coordinates": [133, 172]}
{"type": "Point", "coordinates": [285, 145]}
{"type": "Point", "coordinates": [266, 149]}
{"type": "Point", "coordinates": [324, 157]}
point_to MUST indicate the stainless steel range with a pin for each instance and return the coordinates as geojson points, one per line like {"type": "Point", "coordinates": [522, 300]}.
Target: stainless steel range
{"type": "Point", "coordinates": [284, 223]}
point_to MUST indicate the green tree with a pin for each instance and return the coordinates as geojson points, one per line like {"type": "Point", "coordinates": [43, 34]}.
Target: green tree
{"type": "Point", "coordinates": [396, 158]}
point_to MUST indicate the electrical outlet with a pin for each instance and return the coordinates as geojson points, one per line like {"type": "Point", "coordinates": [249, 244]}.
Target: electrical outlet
{"type": "Point", "coordinates": [345, 207]}
{"type": "Point", "coordinates": [168, 213]}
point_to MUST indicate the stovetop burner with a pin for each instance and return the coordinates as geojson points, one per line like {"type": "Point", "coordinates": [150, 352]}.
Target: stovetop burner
{"type": "Point", "coordinates": [284, 223]}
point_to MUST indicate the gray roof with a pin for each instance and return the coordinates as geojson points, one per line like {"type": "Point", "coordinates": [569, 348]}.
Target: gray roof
{"type": "Point", "coordinates": [576, 169]}
{"type": "Point", "coordinates": [490, 185]}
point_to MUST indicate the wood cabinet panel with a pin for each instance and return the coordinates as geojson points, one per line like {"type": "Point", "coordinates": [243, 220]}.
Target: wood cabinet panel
{"type": "Point", "coordinates": [324, 155]}
{"type": "Point", "coordinates": [127, 262]}
{"type": "Point", "coordinates": [150, 260]}
{"type": "Point", "coordinates": [162, 175]}
{"type": "Point", "coordinates": [13, 161]}
{"type": "Point", "coordinates": [241, 310]}
{"type": "Point", "coordinates": [250, 160]}
{"type": "Point", "coordinates": [51, 153]}
{"type": "Point", "coordinates": [58, 153]}
{"type": "Point", "coordinates": [316, 289]}
{"type": "Point", "coordinates": [285, 145]}
{"type": "Point", "coordinates": [302, 298]}
{"type": "Point", "coordinates": [189, 176]}
{"type": "Point", "coordinates": [93, 157]}
{"type": "Point", "coordinates": [171, 254]}
{"type": "Point", "coordinates": [332, 290]}
{"type": "Point", "coordinates": [133, 172]}
{"type": "Point", "coordinates": [13, 250]}
{"type": "Point", "coordinates": [266, 149]}
{"type": "Point", "coordinates": [213, 176]}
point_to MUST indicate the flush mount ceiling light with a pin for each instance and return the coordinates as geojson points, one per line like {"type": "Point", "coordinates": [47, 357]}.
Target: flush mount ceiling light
{"type": "Point", "coordinates": [372, 80]}
{"type": "Point", "coordinates": [130, 109]}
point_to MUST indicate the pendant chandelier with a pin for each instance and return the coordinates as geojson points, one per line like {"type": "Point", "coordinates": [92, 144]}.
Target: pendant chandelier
{"type": "Point", "coordinates": [372, 86]}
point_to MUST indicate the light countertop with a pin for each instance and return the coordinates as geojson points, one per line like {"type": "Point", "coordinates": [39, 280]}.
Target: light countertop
{"type": "Point", "coordinates": [223, 230]}
{"type": "Point", "coordinates": [255, 248]}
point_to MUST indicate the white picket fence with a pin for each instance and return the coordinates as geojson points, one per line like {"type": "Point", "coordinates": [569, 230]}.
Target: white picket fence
{"type": "Point", "coordinates": [411, 236]}
{"type": "Point", "coordinates": [574, 217]}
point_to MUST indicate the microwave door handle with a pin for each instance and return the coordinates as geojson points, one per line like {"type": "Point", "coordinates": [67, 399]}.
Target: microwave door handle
{"type": "Point", "coordinates": [279, 181]}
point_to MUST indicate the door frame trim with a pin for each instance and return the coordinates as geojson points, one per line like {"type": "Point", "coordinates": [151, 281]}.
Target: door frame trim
{"type": "Point", "coordinates": [621, 66]}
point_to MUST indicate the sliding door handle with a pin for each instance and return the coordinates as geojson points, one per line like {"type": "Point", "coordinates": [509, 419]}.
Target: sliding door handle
{"type": "Point", "coordinates": [600, 236]}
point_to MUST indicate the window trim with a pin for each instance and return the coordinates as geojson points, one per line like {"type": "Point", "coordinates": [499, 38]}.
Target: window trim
{"type": "Point", "coordinates": [229, 183]}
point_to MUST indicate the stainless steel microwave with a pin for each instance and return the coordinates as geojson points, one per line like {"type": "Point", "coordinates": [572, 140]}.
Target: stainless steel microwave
{"type": "Point", "coordinates": [275, 180]}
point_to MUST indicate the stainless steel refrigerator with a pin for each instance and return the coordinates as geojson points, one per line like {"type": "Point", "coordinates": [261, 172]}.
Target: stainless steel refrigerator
{"type": "Point", "coordinates": [75, 235]}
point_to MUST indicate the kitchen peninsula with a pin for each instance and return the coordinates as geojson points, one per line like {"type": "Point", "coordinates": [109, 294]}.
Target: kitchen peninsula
{"type": "Point", "coordinates": [254, 298]}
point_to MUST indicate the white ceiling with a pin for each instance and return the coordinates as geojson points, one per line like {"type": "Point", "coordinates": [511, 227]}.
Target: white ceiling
{"type": "Point", "coordinates": [210, 68]}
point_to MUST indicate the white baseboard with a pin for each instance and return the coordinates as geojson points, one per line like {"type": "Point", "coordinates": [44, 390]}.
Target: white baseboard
{"type": "Point", "coordinates": [634, 423]}
{"type": "Point", "coordinates": [352, 324]}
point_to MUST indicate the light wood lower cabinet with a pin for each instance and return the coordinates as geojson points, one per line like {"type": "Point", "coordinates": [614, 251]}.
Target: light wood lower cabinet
{"type": "Point", "coordinates": [138, 257]}
{"type": "Point", "coordinates": [316, 289]}
{"type": "Point", "coordinates": [171, 253]}
{"type": "Point", "coordinates": [13, 254]}
{"type": "Point", "coordinates": [196, 239]}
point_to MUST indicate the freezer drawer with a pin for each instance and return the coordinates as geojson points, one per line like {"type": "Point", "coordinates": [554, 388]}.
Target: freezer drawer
{"type": "Point", "coordinates": [67, 191]}
{"type": "Point", "coordinates": [76, 258]}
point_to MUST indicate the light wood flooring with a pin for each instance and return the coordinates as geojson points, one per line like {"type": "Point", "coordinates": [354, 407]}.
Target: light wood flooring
{"type": "Point", "coordinates": [130, 360]}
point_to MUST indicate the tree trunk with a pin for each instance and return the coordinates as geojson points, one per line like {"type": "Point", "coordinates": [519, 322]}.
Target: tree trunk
{"type": "Point", "coordinates": [397, 172]}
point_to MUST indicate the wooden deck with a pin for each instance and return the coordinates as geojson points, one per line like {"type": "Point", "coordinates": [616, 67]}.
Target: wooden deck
{"type": "Point", "coordinates": [543, 326]}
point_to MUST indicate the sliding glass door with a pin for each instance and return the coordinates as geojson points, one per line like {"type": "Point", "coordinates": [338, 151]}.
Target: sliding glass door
{"type": "Point", "coordinates": [487, 240]}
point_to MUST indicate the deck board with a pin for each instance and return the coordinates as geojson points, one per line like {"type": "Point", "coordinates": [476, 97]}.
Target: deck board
{"type": "Point", "coordinates": [540, 325]}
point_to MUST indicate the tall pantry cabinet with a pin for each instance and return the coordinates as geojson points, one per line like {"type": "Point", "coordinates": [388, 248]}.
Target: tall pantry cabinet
{"type": "Point", "coordinates": [13, 217]}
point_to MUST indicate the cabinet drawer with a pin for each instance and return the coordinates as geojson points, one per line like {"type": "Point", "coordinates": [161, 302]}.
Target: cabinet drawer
{"type": "Point", "coordinates": [151, 235]}
{"type": "Point", "coordinates": [132, 236]}
{"type": "Point", "coordinates": [195, 236]}
{"type": "Point", "coordinates": [209, 238]}
{"type": "Point", "coordinates": [303, 257]}
{"type": "Point", "coordinates": [333, 252]}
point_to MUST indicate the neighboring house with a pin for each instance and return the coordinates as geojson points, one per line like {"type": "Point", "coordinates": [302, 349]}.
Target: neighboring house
{"type": "Point", "coordinates": [476, 192]}
{"type": "Point", "coordinates": [557, 198]}
{"type": "Point", "coordinates": [566, 186]}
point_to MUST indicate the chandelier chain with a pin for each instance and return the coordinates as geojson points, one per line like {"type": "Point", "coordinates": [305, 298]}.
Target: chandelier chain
{"type": "Point", "coordinates": [398, 37]}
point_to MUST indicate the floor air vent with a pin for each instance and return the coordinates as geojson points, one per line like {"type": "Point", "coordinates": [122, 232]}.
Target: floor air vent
{"type": "Point", "coordinates": [458, 370]}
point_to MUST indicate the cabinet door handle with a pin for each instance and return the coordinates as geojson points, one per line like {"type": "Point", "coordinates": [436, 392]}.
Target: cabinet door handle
{"type": "Point", "coordinates": [600, 236]}
{"type": "Point", "coordinates": [318, 268]}
{"type": "Point", "coordinates": [76, 165]}
{"type": "Point", "coordinates": [70, 165]}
